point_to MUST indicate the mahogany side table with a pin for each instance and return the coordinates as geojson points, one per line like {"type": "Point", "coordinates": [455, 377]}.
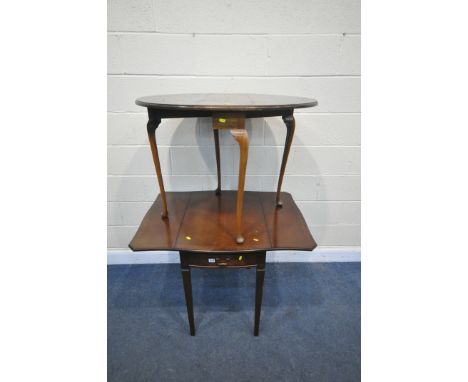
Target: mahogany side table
{"type": "Point", "coordinates": [232, 229]}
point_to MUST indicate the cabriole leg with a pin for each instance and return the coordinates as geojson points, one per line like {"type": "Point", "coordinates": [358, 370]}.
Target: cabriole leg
{"type": "Point", "coordinates": [242, 138]}
{"type": "Point", "coordinates": [290, 127]}
{"type": "Point", "coordinates": [151, 128]}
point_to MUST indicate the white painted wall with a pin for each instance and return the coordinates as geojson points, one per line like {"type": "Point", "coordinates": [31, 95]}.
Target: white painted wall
{"type": "Point", "coordinates": [292, 47]}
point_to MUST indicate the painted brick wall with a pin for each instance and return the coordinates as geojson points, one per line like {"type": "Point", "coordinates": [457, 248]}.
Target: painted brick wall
{"type": "Point", "coordinates": [306, 48]}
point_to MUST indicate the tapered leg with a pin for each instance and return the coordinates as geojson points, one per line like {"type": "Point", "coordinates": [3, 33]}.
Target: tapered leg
{"type": "Point", "coordinates": [218, 160]}
{"type": "Point", "coordinates": [188, 297]}
{"type": "Point", "coordinates": [260, 273]}
{"type": "Point", "coordinates": [151, 128]}
{"type": "Point", "coordinates": [242, 138]}
{"type": "Point", "coordinates": [290, 127]}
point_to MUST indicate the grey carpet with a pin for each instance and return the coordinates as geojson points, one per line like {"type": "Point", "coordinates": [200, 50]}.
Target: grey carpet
{"type": "Point", "coordinates": [309, 329]}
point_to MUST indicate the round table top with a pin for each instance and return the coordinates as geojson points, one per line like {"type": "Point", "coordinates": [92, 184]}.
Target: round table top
{"type": "Point", "coordinates": [224, 102]}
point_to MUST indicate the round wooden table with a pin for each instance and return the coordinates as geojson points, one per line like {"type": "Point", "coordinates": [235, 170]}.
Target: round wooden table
{"type": "Point", "coordinates": [228, 111]}
{"type": "Point", "coordinates": [201, 225]}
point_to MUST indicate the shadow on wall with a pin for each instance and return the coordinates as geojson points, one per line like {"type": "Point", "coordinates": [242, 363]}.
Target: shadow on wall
{"type": "Point", "coordinates": [264, 162]}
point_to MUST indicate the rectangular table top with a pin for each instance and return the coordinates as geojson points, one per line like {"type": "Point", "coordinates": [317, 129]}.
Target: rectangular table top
{"type": "Point", "coordinates": [201, 221]}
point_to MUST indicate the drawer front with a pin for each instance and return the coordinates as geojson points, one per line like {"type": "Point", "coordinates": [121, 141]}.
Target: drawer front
{"type": "Point", "coordinates": [219, 260]}
{"type": "Point", "coordinates": [228, 121]}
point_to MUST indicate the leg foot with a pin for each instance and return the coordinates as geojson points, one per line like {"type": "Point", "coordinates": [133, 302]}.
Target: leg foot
{"type": "Point", "coordinates": [239, 239]}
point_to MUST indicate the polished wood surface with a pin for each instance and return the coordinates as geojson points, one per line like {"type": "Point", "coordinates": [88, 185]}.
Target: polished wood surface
{"type": "Point", "coordinates": [155, 233]}
{"type": "Point", "coordinates": [286, 226]}
{"type": "Point", "coordinates": [224, 102]}
{"type": "Point", "coordinates": [210, 223]}
{"type": "Point", "coordinates": [200, 221]}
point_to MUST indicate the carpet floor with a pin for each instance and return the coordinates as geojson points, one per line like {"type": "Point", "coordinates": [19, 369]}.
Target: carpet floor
{"type": "Point", "coordinates": [309, 328]}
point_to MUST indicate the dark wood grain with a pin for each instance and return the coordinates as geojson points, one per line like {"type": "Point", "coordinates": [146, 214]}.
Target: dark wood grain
{"type": "Point", "coordinates": [224, 102]}
{"type": "Point", "coordinates": [155, 233]}
{"type": "Point", "coordinates": [210, 223]}
{"type": "Point", "coordinates": [286, 226]}
{"type": "Point", "coordinates": [201, 221]}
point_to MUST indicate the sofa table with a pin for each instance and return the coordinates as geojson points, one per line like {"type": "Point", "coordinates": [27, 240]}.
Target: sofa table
{"type": "Point", "coordinates": [232, 229]}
